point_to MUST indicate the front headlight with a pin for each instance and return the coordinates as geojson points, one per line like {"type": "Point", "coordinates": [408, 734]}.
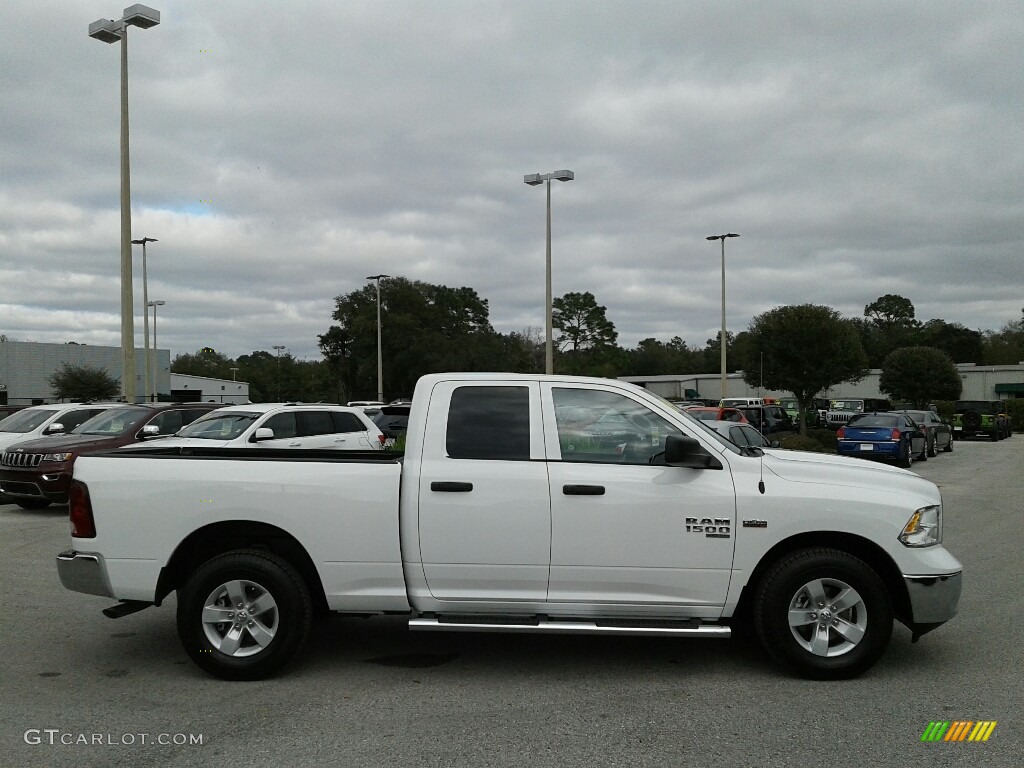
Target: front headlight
{"type": "Point", "coordinates": [57, 456]}
{"type": "Point", "coordinates": [924, 528]}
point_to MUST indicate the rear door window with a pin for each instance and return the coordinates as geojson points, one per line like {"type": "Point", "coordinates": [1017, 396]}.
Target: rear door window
{"type": "Point", "coordinates": [489, 423]}
{"type": "Point", "coordinates": [312, 423]}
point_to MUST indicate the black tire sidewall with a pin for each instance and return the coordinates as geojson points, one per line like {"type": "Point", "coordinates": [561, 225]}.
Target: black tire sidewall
{"type": "Point", "coordinates": [793, 571]}
{"type": "Point", "coordinates": [284, 585]}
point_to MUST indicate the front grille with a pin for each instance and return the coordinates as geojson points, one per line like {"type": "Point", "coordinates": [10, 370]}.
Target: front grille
{"type": "Point", "coordinates": [18, 459]}
{"type": "Point", "coordinates": [839, 418]}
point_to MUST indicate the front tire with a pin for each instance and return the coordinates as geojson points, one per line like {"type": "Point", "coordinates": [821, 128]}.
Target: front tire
{"type": "Point", "coordinates": [823, 613]}
{"type": "Point", "coordinates": [933, 448]}
{"type": "Point", "coordinates": [244, 614]}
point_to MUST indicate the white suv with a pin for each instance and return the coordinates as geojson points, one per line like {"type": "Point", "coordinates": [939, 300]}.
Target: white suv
{"type": "Point", "coordinates": [281, 425]}
{"type": "Point", "coordinates": [45, 420]}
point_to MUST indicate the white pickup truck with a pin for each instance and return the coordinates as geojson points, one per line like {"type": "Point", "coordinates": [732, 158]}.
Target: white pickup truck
{"type": "Point", "coordinates": [521, 504]}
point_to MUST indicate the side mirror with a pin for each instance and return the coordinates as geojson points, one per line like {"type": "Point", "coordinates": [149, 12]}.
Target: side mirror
{"type": "Point", "coordinates": [150, 430]}
{"type": "Point", "coordinates": [263, 433]}
{"type": "Point", "coordinates": [55, 428]}
{"type": "Point", "coordinates": [687, 452]}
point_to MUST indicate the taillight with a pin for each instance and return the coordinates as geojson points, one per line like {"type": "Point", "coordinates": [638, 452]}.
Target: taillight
{"type": "Point", "coordinates": [896, 434]}
{"type": "Point", "coordinates": [80, 511]}
{"type": "Point", "coordinates": [841, 433]}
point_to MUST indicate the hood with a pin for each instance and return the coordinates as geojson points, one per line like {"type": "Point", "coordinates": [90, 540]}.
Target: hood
{"type": "Point", "coordinates": [845, 471]}
{"type": "Point", "coordinates": [72, 442]}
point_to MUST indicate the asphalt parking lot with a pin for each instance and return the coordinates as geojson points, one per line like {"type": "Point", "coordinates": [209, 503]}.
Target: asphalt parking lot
{"type": "Point", "coordinates": [78, 688]}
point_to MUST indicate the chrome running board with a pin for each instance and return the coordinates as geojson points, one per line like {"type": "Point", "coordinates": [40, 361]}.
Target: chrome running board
{"type": "Point", "coordinates": [571, 627]}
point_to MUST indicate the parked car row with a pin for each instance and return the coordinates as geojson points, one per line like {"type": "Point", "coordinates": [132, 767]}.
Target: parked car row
{"type": "Point", "coordinates": [39, 444]}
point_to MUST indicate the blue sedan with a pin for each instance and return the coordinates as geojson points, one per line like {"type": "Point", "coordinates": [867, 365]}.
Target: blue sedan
{"type": "Point", "coordinates": [884, 437]}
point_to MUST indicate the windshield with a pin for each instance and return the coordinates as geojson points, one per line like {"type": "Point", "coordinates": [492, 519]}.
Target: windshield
{"type": "Point", "coordinates": [789, 404]}
{"type": "Point", "coordinates": [846, 405]}
{"type": "Point", "coordinates": [24, 421]}
{"type": "Point", "coordinates": [219, 426]}
{"type": "Point", "coordinates": [112, 423]}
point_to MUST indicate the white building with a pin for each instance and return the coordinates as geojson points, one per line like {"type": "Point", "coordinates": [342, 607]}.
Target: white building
{"type": "Point", "coordinates": [26, 367]}
{"type": "Point", "coordinates": [981, 382]}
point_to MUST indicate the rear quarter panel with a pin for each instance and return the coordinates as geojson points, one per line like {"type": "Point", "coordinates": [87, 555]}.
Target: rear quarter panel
{"type": "Point", "coordinates": [343, 512]}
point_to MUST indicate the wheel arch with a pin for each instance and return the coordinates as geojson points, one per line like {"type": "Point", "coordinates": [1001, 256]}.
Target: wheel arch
{"type": "Point", "coordinates": [858, 546]}
{"type": "Point", "coordinates": [224, 536]}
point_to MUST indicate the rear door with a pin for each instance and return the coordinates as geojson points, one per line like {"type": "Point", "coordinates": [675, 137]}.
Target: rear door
{"type": "Point", "coordinates": [483, 506]}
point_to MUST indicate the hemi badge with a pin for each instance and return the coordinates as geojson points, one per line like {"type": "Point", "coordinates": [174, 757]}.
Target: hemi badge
{"type": "Point", "coordinates": [755, 523]}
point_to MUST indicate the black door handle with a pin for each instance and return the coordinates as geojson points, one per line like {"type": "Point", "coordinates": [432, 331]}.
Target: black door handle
{"type": "Point", "coordinates": [452, 487]}
{"type": "Point", "coordinates": [583, 490]}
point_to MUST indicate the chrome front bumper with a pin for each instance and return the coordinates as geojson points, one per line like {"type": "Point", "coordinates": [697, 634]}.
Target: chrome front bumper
{"type": "Point", "coordinates": [933, 600]}
{"type": "Point", "coordinates": [80, 572]}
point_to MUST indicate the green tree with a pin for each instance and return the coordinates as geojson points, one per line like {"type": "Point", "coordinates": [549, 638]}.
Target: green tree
{"type": "Point", "coordinates": [805, 349]}
{"type": "Point", "coordinates": [920, 375]}
{"type": "Point", "coordinates": [652, 357]}
{"type": "Point", "coordinates": [82, 382]}
{"type": "Point", "coordinates": [1006, 346]}
{"type": "Point", "coordinates": [205, 362]}
{"type": "Point", "coordinates": [585, 344]}
{"type": "Point", "coordinates": [582, 323]}
{"type": "Point", "coordinates": [425, 328]}
{"type": "Point", "coordinates": [890, 325]}
{"type": "Point", "coordinates": [959, 342]}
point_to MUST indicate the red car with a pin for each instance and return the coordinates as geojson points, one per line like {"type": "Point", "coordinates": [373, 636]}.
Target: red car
{"type": "Point", "coordinates": [37, 473]}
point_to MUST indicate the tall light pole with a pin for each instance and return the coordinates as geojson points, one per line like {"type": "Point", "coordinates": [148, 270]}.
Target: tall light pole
{"type": "Point", "coordinates": [279, 347]}
{"type": "Point", "coordinates": [380, 358]}
{"type": "Point", "coordinates": [154, 305]}
{"type": "Point", "coordinates": [722, 339]}
{"type": "Point", "coordinates": [110, 31]}
{"type": "Point", "coordinates": [149, 381]}
{"type": "Point", "coordinates": [533, 179]}
{"type": "Point", "coordinates": [233, 372]}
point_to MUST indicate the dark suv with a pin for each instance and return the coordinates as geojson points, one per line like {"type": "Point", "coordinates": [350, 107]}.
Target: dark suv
{"type": "Point", "coordinates": [768, 419]}
{"type": "Point", "coordinates": [974, 418]}
{"type": "Point", "coordinates": [37, 473]}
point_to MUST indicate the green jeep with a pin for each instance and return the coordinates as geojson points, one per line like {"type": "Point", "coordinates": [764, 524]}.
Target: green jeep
{"type": "Point", "coordinates": [974, 418]}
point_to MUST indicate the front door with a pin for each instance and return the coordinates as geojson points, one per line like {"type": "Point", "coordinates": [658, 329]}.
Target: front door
{"type": "Point", "coordinates": [626, 532]}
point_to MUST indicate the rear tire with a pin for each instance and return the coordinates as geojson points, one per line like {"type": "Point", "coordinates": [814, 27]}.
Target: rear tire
{"type": "Point", "coordinates": [933, 448]}
{"type": "Point", "coordinates": [949, 445]}
{"type": "Point", "coordinates": [823, 613]}
{"type": "Point", "coordinates": [244, 614]}
{"type": "Point", "coordinates": [906, 460]}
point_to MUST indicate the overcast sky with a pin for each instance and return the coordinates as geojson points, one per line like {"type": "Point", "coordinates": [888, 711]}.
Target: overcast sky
{"type": "Point", "coordinates": [282, 152]}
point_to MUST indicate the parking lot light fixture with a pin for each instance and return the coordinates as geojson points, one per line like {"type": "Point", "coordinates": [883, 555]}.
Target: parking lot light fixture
{"type": "Point", "coordinates": [154, 305]}
{"type": "Point", "coordinates": [380, 359]}
{"type": "Point", "coordinates": [722, 338]}
{"type": "Point", "coordinates": [533, 179]}
{"type": "Point", "coordinates": [149, 381]}
{"type": "Point", "coordinates": [110, 31]}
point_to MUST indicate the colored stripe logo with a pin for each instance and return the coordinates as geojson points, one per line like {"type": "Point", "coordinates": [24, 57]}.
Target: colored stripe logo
{"type": "Point", "coordinates": [958, 730]}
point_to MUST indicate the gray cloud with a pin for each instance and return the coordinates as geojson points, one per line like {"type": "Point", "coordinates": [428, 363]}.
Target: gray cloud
{"type": "Point", "coordinates": [281, 154]}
